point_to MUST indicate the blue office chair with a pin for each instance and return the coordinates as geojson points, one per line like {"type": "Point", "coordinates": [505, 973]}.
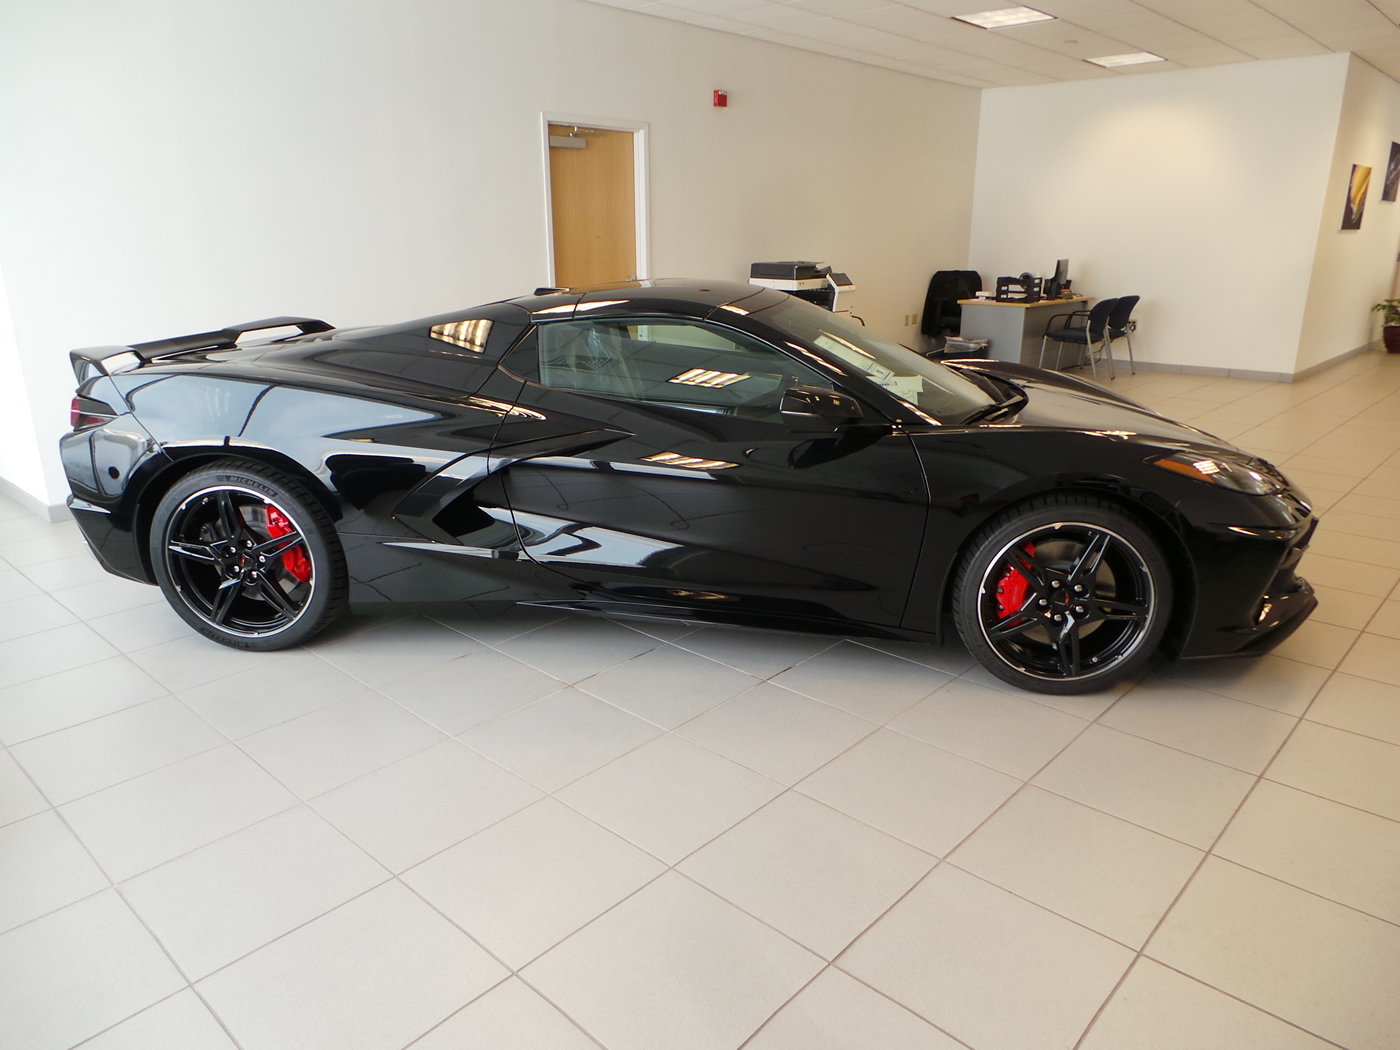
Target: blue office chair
{"type": "Point", "coordinates": [1092, 334]}
{"type": "Point", "coordinates": [1121, 326]}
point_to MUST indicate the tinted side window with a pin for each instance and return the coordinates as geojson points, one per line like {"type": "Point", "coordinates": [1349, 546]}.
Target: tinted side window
{"type": "Point", "coordinates": [681, 363]}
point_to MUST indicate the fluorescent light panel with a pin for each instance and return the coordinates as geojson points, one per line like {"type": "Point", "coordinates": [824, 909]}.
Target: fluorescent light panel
{"type": "Point", "coordinates": [1137, 58]}
{"type": "Point", "coordinates": [1005, 17]}
{"type": "Point", "coordinates": [708, 377]}
{"type": "Point", "coordinates": [470, 335]}
{"type": "Point", "coordinates": [675, 459]}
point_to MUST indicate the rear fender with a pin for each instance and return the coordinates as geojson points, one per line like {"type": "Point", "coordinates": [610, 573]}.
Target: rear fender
{"type": "Point", "coordinates": [155, 476]}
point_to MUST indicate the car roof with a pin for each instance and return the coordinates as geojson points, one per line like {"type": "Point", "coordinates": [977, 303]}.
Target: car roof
{"type": "Point", "coordinates": [683, 296]}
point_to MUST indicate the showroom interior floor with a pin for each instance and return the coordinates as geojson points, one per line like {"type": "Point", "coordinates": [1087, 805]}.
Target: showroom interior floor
{"type": "Point", "coordinates": [522, 831]}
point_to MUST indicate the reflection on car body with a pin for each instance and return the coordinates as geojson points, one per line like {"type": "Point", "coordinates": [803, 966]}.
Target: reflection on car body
{"type": "Point", "coordinates": [702, 451]}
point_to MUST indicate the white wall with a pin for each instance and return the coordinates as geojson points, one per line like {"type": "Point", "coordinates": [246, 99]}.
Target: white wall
{"type": "Point", "coordinates": [19, 450]}
{"type": "Point", "coordinates": [169, 166]}
{"type": "Point", "coordinates": [1201, 190]}
{"type": "Point", "coordinates": [1352, 269]}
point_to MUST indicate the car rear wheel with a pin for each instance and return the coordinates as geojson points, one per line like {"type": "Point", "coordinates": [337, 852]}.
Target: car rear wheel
{"type": "Point", "coordinates": [1067, 594]}
{"type": "Point", "coordinates": [247, 557]}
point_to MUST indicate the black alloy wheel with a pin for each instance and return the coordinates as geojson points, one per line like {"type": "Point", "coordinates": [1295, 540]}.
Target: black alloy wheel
{"type": "Point", "coordinates": [248, 557]}
{"type": "Point", "coordinates": [1065, 595]}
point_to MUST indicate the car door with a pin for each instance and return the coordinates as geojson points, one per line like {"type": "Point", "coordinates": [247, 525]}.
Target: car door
{"type": "Point", "coordinates": [667, 474]}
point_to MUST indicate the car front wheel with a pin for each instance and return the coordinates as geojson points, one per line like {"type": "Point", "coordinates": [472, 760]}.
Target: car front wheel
{"type": "Point", "coordinates": [247, 557]}
{"type": "Point", "coordinates": [1067, 594]}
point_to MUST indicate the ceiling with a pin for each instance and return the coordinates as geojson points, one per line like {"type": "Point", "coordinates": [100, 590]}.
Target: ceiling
{"type": "Point", "coordinates": [920, 36]}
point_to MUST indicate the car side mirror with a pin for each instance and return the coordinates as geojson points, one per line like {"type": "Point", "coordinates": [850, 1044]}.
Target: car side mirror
{"type": "Point", "coordinates": [815, 410]}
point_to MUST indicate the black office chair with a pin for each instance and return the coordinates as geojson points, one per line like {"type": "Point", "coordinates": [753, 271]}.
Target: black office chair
{"type": "Point", "coordinates": [941, 310]}
{"type": "Point", "coordinates": [1093, 331]}
{"type": "Point", "coordinates": [1121, 326]}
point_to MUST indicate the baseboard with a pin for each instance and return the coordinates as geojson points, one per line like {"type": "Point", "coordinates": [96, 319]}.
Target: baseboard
{"type": "Point", "coordinates": [1251, 373]}
{"type": "Point", "coordinates": [32, 503]}
{"type": "Point", "coordinates": [1218, 373]}
{"type": "Point", "coordinates": [1322, 366]}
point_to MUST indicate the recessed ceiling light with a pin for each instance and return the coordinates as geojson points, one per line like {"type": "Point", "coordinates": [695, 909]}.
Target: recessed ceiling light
{"type": "Point", "coordinates": [1137, 58]}
{"type": "Point", "coordinates": [1006, 16]}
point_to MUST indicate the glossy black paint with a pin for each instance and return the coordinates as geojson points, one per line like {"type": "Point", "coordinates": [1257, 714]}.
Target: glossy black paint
{"type": "Point", "coordinates": [457, 476]}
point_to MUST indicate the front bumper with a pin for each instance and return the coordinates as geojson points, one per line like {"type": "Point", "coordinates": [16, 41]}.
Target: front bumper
{"type": "Point", "coordinates": [1279, 616]}
{"type": "Point", "coordinates": [1249, 597]}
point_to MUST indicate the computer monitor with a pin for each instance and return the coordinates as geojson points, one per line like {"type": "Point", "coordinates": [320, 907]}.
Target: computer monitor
{"type": "Point", "coordinates": [1057, 283]}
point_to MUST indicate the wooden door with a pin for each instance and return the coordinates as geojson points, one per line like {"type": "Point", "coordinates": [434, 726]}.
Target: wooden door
{"type": "Point", "coordinates": [593, 199]}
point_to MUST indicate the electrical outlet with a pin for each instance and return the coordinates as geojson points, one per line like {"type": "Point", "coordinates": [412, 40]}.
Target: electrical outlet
{"type": "Point", "coordinates": [910, 320]}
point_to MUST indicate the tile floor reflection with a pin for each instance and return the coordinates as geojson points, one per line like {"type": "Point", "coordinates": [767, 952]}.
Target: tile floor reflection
{"type": "Point", "coordinates": [526, 830]}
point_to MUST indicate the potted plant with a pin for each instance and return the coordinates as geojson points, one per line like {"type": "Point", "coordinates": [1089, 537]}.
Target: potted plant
{"type": "Point", "coordinates": [1389, 309]}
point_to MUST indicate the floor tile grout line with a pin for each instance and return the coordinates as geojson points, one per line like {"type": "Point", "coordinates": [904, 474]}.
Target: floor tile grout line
{"type": "Point", "coordinates": [1210, 852]}
{"type": "Point", "coordinates": [783, 1005]}
{"type": "Point", "coordinates": [114, 888]}
{"type": "Point", "coordinates": [1243, 1002]}
{"type": "Point", "coordinates": [943, 858]}
{"type": "Point", "coordinates": [916, 702]}
{"type": "Point", "coordinates": [87, 1040]}
{"type": "Point", "coordinates": [1184, 751]}
{"type": "Point", "coordinates": [1336, 802]}
{"type": "Point", "coordinates": [85, 721]}
{"type": "Point", "coordinates": [178, 969]}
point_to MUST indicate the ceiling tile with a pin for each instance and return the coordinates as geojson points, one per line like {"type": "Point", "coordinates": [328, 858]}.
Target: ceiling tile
{"type": "Point", "coordinates": [920, 36]}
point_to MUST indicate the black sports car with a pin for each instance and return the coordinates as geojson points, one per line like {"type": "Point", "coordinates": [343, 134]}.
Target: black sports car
{"type": "Point", "coordinates": [699, 450]}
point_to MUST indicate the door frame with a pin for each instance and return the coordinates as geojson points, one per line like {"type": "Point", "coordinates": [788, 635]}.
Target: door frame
{"type": "Point", "coordinates": [640, 167]}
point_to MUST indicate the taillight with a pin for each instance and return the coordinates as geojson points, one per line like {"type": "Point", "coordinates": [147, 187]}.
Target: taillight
{"type": "Point", "coordinates": [87, 412]}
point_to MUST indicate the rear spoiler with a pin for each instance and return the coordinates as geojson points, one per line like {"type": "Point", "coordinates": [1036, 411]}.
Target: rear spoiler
{"type": "Point", "coordinates": [108, 360]}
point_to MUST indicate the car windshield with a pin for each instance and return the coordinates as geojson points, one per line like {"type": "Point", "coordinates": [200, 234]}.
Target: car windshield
{"type": "Point", "coordinates": [933, 389]}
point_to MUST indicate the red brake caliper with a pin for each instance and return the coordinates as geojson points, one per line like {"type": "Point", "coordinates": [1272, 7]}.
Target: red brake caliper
{"type": "Point", "coordinates": [295, 560]}
{"type": "Point", "coordinates": [1011, 588]}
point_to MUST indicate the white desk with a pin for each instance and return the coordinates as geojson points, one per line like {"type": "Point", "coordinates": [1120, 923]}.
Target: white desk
{"type": "Point", "coordinates": [1015, 329]}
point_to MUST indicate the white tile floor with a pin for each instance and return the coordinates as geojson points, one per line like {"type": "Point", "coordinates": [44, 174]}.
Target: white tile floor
{"type": "Point", "coordinates": [524, 831]}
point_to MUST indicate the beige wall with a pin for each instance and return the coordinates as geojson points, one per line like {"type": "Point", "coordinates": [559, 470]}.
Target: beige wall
{"type": "Point", "coordinates": [1200, 190]}
{"type": "Point", "coordinates": [1352, 269]}
{"type": "Point", "coordinates": [168, 166]}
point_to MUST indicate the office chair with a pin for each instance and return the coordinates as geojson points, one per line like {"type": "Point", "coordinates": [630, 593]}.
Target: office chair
{"type": "Point", "coordinates": [1094, 330]}
{"type": "Point", "coordinates": [1121, 326]}
{"type": "Point", "coordinates": [941, 310]}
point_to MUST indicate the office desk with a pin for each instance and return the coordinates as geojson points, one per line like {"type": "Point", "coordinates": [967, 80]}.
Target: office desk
{"type": "Point", "coordinates": [1016, 329]}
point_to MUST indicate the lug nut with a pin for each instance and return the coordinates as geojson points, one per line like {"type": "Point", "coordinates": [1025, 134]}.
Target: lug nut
{"type": "Point", "coordinates": [1079, 609]}
{"type": "Point", "coordinates": [1054, 583]}
{"type": "Point", "coordinates": [1078, 589]}
{"type": "Point", "coordinates": [1043, 603]}
{"type": "Point", "coordinates": [1057, 617]}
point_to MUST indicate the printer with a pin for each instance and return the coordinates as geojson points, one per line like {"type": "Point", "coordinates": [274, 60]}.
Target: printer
{"type": "Point", "coordinates": [814, 281]}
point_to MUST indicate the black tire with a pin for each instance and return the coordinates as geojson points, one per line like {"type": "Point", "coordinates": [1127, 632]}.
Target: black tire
{"type": "Point", "coordinates": [248, 557]}
{"type": "Point", "coordinates": [1064, 594]}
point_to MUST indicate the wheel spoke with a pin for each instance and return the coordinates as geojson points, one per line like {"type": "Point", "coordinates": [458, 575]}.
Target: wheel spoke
{"type": "Point", "coordinates": [272, 594]}
{"type": "Point", "coordinates": [1029, 566]}
{"type": "Point", "coordinates": [1068, 646]}
{"type": "Point", "coordinates": [277, 545]}
{"type": "Point", "coordinates": [229, 518]}
{"type": "Point", "coordinates": [224, 598]}
{"type": "Point", "coordinates": [1014, 625]}
{"type": "Point", "coordinates": [196, 551]}
{"type": "Point", "coordinates": [1087, 567]}
{"type": "Point", "coordinates": [1113, 609]}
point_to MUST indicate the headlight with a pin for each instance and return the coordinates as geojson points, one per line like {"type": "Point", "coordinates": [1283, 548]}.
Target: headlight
{"type": "Point", "coordinates": [1241, 473]}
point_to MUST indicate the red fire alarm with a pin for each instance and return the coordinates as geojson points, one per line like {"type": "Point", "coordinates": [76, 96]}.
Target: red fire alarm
{"type": "Point", "coordinates": [721, 98]}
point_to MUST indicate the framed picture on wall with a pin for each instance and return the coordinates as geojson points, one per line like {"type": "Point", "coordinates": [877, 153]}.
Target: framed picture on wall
{"type": "Point", "coordinates": [1356, 196]}
{"type": "Point", "coordinates": [1392, 174]}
